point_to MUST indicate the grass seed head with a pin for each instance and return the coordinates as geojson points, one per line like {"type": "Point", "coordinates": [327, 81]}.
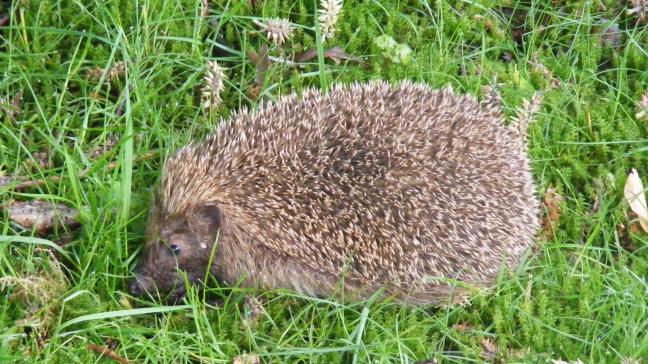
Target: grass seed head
{"type": "Point", "coordinates": [213, 85]}
{"type": "Point", "coordinates": [277, 30]}
{"type": "Point", "coordinates": [329, 15]}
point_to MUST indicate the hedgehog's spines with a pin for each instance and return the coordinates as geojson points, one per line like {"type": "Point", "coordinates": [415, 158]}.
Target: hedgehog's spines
{"type": "Point", "coordinates": [413, 181]}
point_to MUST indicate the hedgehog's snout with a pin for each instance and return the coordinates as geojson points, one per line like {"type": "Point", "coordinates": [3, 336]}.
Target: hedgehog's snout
{"type": "Point", "coordinates": [135, 288]}
{"type": "Point", "coordinates": [140, 284]}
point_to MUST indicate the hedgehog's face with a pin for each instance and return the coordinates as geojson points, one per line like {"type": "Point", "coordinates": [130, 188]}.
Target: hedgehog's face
{"type": "Point", "coordinates": [177, 246]}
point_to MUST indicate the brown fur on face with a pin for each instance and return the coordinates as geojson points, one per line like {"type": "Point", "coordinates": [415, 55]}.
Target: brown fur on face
{"type": "Point", "coordinates": [176, 246]}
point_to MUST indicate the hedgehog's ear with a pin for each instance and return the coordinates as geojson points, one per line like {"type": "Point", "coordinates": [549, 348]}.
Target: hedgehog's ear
{"type": "Point", "coordinates": [205, 220]}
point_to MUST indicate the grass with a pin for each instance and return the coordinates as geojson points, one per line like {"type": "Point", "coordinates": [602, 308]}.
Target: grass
{"type": "Point", "coordinates": [581, 295]}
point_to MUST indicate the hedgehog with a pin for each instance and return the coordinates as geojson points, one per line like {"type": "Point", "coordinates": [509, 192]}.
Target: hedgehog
{"type": "Point", "coordinates": [395, 190]}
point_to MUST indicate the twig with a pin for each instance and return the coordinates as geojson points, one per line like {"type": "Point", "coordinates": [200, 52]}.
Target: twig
{"type": "Point", "coordinates": [335, 53]}
{"type": "Point", "coordinates": [104, 351]}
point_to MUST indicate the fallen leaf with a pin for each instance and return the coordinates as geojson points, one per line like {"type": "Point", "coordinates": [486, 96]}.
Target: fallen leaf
{"type": "Point", "coordinates": [634, 194]}
{"type": "Point", "coordinates": [551, 202]}
{"type": "Point", "coordinates": [43, 216]}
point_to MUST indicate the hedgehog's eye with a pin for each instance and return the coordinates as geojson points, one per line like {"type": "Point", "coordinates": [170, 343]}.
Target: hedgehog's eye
{"type": "Point", "coordinates": [174, 249]}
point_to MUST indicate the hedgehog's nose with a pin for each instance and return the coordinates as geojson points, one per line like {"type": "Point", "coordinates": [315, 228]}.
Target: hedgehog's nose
{"type": "Point", "coordinates": [135, 288]}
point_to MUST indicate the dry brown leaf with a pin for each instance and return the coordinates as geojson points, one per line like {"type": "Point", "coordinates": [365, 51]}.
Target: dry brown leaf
{"type": "Point", "coordinates": [551, 202]}
{"type": "Point", "coordinates": [43, 216]}
{"type": "Point", "coordinates": [634, 194]}
{"type": "Point", "coordinates": [489, 349]}
{"type": "Point", "coordinates": [246, 359]}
